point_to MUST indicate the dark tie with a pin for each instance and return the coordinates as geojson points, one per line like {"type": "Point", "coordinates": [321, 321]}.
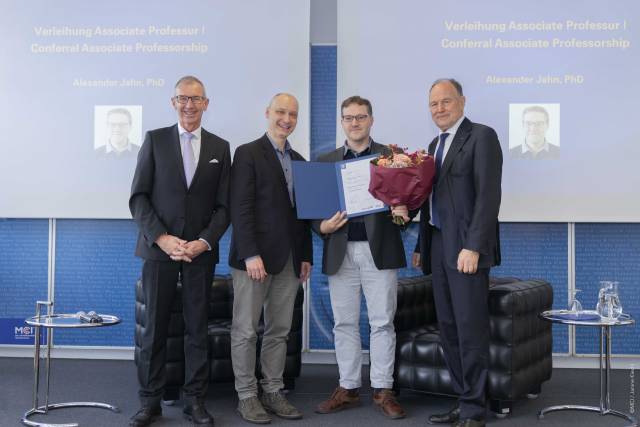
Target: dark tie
{"type": "Point", "coordinates": [435, 219]}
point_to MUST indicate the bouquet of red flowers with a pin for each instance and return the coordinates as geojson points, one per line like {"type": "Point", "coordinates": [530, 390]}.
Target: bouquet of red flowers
{"type": "Point", "coordinates": [401, 178]}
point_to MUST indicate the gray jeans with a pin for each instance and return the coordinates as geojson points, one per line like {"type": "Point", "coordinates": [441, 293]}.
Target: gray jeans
{"type": "Point", "coordinates": [277, 296]}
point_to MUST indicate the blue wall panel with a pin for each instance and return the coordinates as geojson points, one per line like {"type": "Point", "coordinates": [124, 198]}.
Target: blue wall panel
{"type": "Point", "coordinates": [24, 244]}
{"type": "Point", "coordinates": [323, 99]}
{"type": "Point", "coordinates": [323, 139]}
{"type": "Point", "coordinates": [538, 251]}
{"type": "Point", "coordinates": [608, 252]}
{"type": "Point", "coordinates": [23, 265]}
{"type": "Point", "coordinates": [96, 270]}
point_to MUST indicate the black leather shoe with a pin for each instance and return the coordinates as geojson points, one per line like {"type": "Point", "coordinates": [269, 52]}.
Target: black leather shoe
{"type": "Point", "coordinates": [198, 415]}
{"type": "Point", "coordinates": [450, 417]}
{"type": "Point", "coordinates": [470, 422]}
{"type": "Point", "coordinates": [145, 416]}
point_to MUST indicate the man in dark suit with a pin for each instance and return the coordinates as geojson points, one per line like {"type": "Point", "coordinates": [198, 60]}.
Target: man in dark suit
{"type": "Point", "coordinates": [459, 243]}
{"type": "Point", "coordinates": [270, 255]}
{"type": "Point", "coordinates": [180, 202]}
{"type": "Point", "coordinates": [362, 255]}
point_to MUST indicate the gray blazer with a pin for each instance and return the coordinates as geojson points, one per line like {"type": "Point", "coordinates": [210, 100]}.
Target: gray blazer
{"type": "Point", "coordinates": [383, 235]}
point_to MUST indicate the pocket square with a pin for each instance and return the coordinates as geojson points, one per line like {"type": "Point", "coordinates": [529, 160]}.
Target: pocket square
{"type": "Point", "coordinates": [214, 161]}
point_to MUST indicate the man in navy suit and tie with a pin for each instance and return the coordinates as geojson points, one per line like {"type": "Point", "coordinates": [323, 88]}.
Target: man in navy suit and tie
{"type": "Point", "coordinates": [180, 202]}
{"type": "Point", "coordinates": [459, 243]}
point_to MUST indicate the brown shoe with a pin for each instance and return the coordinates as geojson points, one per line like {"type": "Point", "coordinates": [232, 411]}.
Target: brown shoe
{"type": "Point", "coordinates": [340, 399]}
{"type": "Point", "coordinates": [386, 401]}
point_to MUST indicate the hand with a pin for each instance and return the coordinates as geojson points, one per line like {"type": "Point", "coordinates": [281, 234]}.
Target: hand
{"type": "Point", "coordinates": [401, 211]}
{"type": "Point", "coordinates": [255, 269]}
{"type": "Point", "coordinates": [169, 244]}
{"type": "Point", "coordinates": [305, 271]}
{"type": "Point", "coordinates": [328, 226]}
{"type": "Point", "coordinates": [180, 254]}
{"type": "Point", "coordinates": [195, 248]}
{"type": "Point", "coordinates": [468, 261]}
{"type": "Point", "coordinates": [415, 260]}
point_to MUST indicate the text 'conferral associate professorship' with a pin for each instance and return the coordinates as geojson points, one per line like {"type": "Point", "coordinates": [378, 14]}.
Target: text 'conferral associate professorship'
{"type": "Point", "coordinates": [580, 34]}
{"type": "Point", "coordinates": [144, 39]}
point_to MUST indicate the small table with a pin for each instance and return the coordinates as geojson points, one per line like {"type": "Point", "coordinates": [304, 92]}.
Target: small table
{"type": "Point", "coordinates": [560, 316]}
{"type": "Point", "coordinates": [52, 321]}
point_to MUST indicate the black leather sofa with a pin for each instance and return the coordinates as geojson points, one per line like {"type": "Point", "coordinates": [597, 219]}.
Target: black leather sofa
{"type": "Point", "coordinates": [220, 315]}
{"type": "Point", "coordinates": [520, 348]}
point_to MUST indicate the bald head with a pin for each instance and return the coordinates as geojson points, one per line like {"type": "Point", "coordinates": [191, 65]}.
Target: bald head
{"type": "Point", "coordinates": [282, 96]}
{"type": "Point", "coordinates": [282, 116]}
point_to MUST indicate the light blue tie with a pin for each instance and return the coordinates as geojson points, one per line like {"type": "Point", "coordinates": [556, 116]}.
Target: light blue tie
{"type": "Point", "coordinates": [188, 159]}
{"type": "Point", "coordinates": [435, 218]}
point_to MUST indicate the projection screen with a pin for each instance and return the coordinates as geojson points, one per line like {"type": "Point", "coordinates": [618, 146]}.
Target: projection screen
{"type": "Point", "coordinates": [76, 73]}
{"type": "Point", "coordinates": [575, 63]}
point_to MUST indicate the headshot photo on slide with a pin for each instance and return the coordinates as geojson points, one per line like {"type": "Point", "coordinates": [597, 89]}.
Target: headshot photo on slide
{"type": "Point", "coordinates": [534, 131]}
{"type": "Point", "coordinates": [117, 130]}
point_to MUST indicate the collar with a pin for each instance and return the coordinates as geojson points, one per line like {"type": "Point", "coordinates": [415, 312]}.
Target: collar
{"type": "Point", "coordinates": [287, 146]}
{"type": "Point", "coordinates": [525, 147]}
{"type": "Point", "coordinates": [197, 134]}
{"type": "Point", "coordinates": [453, 129]}
{"type": "Point", "coordinates": [356, 154]}
{"type": "Point", "coordinates": [109, 148]}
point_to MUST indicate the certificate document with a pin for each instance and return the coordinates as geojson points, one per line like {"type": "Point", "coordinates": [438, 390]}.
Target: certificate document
{"type": "Point", "coordinates": [355, 176]}
{"type": "Point", "coordinates": [322, 188]}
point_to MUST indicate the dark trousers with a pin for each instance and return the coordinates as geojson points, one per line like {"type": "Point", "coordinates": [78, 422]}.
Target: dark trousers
{"type": "Point", "coordinates": [159, 286]}
{"type": "Point", "coordinates": [463, 318]}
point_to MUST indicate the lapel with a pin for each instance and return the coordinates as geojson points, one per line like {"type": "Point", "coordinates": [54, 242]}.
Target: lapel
{"type": "Point", "coordinates": [337, 155]}
{"type": "Point", "coordinates": [432, 147]}
{"type": "Point", "coordinates": [462, 135]}
{"type": "Point", "coordinates": [272, 159]}
{"type": "Point", "coordinates": [377, 148]}
{"type": "Point", "coordinates": [177, 154]}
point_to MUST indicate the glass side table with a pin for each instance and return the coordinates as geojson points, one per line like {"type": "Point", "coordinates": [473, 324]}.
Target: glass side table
{"type": "Point", "coordinates": [591, 318]}
{"type": "Point", "coordinates": [53, 321]}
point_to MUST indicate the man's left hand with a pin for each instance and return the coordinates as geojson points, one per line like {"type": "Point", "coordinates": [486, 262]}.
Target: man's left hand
{"type": "Point", "coordinates": [305, 271]}
{"type": "Point", "coordinates": [194, 248]}
{"type": "Point", "coordinates": [401, 211]}
{"type": "Point", "coordinates": [468, 261]}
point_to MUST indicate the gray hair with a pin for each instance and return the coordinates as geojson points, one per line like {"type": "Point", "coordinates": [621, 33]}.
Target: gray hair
{"type": "Point", "coordinates": [191, 79]}
{"type": "Point", "coordinates": [456, 84]}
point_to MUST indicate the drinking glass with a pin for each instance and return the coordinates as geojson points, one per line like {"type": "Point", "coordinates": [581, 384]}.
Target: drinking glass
{"type": "Point", "coordinates": [574, 305]}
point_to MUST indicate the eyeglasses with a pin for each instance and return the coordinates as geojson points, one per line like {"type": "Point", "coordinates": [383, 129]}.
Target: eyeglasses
{"type": "Point", "coordinates": [183, 99]}
{"type": "Point", "coordinates": [359, 118]}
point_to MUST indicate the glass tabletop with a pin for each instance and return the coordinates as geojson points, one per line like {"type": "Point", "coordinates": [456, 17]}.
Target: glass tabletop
{"type": "Point", "coordinates": [590, 318]}
{"type": "Point", "coordinates": [70, 321]}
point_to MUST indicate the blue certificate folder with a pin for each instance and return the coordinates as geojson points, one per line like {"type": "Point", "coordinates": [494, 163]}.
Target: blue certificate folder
{"type": "Point", "coordinates": [319, 190]}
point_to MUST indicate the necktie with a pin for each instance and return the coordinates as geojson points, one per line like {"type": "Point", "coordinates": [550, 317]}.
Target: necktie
{"type": "Point", "coordinates": [188, 159]}
{"type": "Point", "coordinates": [435, 218]}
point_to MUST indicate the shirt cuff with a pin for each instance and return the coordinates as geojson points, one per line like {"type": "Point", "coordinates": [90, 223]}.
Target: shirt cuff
{"type": "Point", "coordinates": [207, 243]}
